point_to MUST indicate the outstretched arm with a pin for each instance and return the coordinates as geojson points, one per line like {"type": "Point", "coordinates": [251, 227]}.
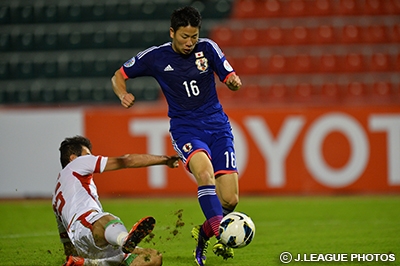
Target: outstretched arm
{"type": "Point", "coordinates": [119, 87]}
{"type": "Point", "coordinates": [140, 160]}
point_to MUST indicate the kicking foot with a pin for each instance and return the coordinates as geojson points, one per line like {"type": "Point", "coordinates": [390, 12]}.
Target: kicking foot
{"type": "Point", "coordinates": [221, 249]}
{"type": "Point", "coordinates": [139, 231]}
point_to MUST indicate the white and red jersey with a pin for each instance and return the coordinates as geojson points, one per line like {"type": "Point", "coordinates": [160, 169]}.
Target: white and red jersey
{"type": "Point", "coordinates": [75, 191]}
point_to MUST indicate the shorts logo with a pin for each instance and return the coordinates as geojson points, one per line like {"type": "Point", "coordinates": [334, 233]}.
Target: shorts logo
{"type": "Point", "coordinates": [187, 147]}
{"type": "Point", "coordinates": [130, 62]}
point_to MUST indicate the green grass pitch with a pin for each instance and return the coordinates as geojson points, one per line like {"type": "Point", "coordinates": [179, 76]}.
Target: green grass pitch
{"type": "Point", "coordinates": [300, 225]}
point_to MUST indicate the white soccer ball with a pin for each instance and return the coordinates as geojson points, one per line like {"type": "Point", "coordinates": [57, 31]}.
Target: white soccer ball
{"type": "Point", "coordinates": [237, 230]}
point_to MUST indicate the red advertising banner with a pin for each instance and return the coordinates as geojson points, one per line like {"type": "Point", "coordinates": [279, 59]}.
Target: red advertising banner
{"type": "Point", "coordinates": [291, 150]}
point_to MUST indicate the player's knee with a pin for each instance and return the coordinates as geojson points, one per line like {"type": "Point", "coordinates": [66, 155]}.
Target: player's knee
{"type": "Point", "coordinates": [204, 178]}
{"type": "Point", "coordinates": [231, 201]}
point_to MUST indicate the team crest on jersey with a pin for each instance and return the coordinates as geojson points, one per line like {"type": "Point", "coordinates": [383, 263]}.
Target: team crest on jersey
{"type": "Point", "coordinates": [187, 147]}
{"type": "Point", "coordinates": [202, 64]}
{"type": "Point", "coordinates": [201, 61]}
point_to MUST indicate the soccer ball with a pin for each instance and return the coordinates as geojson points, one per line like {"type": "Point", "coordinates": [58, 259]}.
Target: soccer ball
{"type": "Point", "coordinates": [236, 230]}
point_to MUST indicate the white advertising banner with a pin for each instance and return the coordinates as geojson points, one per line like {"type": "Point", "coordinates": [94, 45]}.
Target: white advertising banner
{"type": "Point", "coordinates": [29, 142]}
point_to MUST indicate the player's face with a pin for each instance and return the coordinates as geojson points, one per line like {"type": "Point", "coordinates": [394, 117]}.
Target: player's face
{"type": "Point", "coordinates": [184, 39]}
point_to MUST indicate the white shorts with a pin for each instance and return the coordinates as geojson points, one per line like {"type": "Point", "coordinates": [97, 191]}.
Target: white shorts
{"type": "Point", "coordinates": [82, 238]}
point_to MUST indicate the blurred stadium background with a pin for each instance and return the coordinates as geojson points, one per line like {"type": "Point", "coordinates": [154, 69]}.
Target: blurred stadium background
{"type": "Point", "coordinates": [66, 51]}
{"type": "Point", "coordinates": [294, 55]}
{"type": "Point", "coordinates": [287, 51]}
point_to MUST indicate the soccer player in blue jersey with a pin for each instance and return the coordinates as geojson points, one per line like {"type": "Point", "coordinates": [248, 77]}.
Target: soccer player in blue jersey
{"type": "Point", "coordinates": [200, 130]}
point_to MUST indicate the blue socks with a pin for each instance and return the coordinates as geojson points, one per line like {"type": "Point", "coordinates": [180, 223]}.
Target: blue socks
{"type": "Point", "coordinates": [212, 209]}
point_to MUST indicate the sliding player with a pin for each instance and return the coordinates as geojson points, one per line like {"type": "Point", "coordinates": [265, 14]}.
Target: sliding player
{"type": "Point", "coordinates": [90, 235]}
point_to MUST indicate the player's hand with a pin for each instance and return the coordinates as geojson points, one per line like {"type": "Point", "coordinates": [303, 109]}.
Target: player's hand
{"type": "Point", "coordinates": [173, 161]}
{"type": "Point", "coordinates": [233, 82]}
{"type": "Point", "coordinates": [127, 100]}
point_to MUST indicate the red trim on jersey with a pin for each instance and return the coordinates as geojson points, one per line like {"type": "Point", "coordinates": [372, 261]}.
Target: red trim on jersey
{"type": "Point", "coordinates": [83, 220]}
{"type": "Point", "coordinates": [230, 74]}
{"type": "Point", "coordinates": [98, 164]}
{"type": "Point", "coordinates": [123, 73]}
{"type": "Point", "coordinates": [225, 172]}
{"type": "Point", "coordinates": [85, 181]}
{"type": "Point", "coordinates": [191, 155]}
{"type": "Point", "coordinates": [70, 222]}
{"type": "Point", "coordinates": [220, 172]}
{"type": "Point", "coordinates": [57, 187]}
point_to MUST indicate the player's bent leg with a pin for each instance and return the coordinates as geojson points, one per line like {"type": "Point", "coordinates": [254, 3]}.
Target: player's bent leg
{"type": "Point", "coordinates": [227, 187]}
{"type": "Point", "coordinates": [228, 193]}
{"type": "Point", "coordinates": [144, 257]}
{"type": "Point", "coordinates": [98, 230]}
{"type": "Point", "coordinates": [201, 168]}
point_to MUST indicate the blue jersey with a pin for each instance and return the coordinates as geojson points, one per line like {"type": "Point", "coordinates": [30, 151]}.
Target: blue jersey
{"type": "Point", "coordinates": [187, 81]}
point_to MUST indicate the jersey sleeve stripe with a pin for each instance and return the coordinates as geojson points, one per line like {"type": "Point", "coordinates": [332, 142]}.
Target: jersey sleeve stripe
{"type": "Point", "coordinates": [98, 163]}
{"type": "Point", "coordinates": [143, 53]}
{"type": "Point", "coordinates": [214, 45]}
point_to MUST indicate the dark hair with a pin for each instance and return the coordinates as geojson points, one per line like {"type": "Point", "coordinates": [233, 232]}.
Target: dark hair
{"type": "Point", "coordinates": [185, 16]}
{"type": "Point", "coordinates": [71, 146]}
